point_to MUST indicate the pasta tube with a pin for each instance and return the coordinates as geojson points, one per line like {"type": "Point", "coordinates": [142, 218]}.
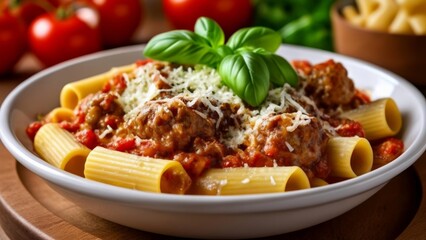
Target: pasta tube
{"type": "Point", "coordinates": [382, 17]}
{"type": "Point", "coordinates": [318, 182]}
{"type": "Point", "coordinates": [136, 172]}
{"type": "Point", "coordinates": [418, 23]}
{"type": "Point", "coordinates": [349, 156]}
{"type": "Point", "coordinates": [379, 119]}
{"type": "Point", "coordinates": [230, 181]}
{"type": "Point", "coordinates": [59, 148]}
{"type": "Point", "coordinates": [351, 14]}
{"type": "Point", "coordinates": [73, 92]}
{"type": "Point", "coordinates": [401, 24]}
{"type": "Point", "coordinates": [60, 114]}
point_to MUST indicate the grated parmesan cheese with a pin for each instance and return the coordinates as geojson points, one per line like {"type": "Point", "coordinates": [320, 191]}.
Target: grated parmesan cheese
{"type": "Point", "coordinates": [203, 84]}
{"type": "Point", "coordinates": [107, 131]}
{"type": "Point", "coordinates": [272, 179]}
{"type": "Point", "coordinates": [290, 148]}
{"type": "Point", "coordinates": [245, 181]}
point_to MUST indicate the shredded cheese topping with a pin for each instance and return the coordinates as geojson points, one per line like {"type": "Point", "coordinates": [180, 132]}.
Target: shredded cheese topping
{"type": "Point", "coordinates": [203, 84]}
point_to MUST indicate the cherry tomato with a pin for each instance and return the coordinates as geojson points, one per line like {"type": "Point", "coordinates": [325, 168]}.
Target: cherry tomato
{"type": "Point", "coordinates": [12, 41]}
{"type": "Point", "coordinates": [26, 10]}
{"type": "Point", "coordinates": [55, 38]}
{"type": "Point", "coordinates": [231, 15]}
{"type": "Point", "coordinates": [119, 20]}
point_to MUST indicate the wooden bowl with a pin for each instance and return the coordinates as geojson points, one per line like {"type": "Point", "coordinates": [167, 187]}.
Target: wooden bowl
{"type": "Point", "coordinates": [402, 54]}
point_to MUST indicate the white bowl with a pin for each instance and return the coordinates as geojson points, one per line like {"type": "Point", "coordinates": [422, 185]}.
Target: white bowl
{"type": "Point", "coordinates": [208, 216]}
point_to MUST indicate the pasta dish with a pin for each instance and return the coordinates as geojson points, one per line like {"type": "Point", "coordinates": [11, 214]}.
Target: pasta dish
{"type": "Point", "coordinates": [201, 116]}
{"type": "Point", "coordinates": [162, 127]}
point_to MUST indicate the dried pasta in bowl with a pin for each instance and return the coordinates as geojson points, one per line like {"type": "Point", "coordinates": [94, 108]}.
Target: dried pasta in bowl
{"type": "Point", "coordinates": [393, 16]}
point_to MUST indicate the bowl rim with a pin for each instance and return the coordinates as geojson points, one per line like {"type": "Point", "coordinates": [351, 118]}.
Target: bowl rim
{"type": "Point", "coordinates": [196, 203]}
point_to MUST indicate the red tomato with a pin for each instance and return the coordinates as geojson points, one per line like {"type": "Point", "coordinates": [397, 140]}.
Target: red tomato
{"type": "Point", "coordinates": [28, 11]}
{"type": "Point", "coordinates": [33, 128]}
{"type": "Point", "coordinates": [12, 41]}
{"type": "Point", "coordinates": [231, 15]}
{"type": "Point", "coordinates": [53, 39]}
{"type": "Point", "coordinates": [88, 138]}
{"type": "Point", "coordinates": [119, 20]}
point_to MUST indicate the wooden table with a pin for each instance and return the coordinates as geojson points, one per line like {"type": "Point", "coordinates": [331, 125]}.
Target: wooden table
{"type": "Point", "coordinates": [30, 209]}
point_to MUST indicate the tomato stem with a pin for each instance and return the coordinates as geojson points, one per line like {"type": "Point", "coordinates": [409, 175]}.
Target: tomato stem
{"type": "Point", "coordinates": [47, 5]}
{"type": "Point", "coordinates": [14, 3]}
{"type": "Point", "coordinates": [64, 12]}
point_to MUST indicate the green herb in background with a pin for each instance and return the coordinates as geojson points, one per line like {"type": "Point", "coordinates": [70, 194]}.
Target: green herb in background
{"type": "Point", "coordinates": [247, 62]}
{"type": "Point", "coordinates": [299, 22]}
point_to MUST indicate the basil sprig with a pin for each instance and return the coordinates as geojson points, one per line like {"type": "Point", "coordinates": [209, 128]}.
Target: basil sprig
{"type": "Point", "coordinates": [247, 62]}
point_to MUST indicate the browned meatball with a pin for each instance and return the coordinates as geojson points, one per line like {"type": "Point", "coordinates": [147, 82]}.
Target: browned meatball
{"type": "Point", "coordinates": [172, 123]}
{"type": "Point", "coordinates": [329, 85]}
{"type": "Point", "coordinates": [303, 146]}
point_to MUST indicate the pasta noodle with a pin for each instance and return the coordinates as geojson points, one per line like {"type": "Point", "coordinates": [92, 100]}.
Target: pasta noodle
{"type": "Point", "coordinates": [136, 172]}
{"type": "Point", "coordinates": [60, 114]}
{"type": "Point", "coordinates": [352, 15]}
{"type": "Point", "coordinates": [383, 16]}
{"type": "Point", "coordinates": [366, 7]}
{"type": "Point", "coordinates": [73, 92]}
{"type": "Point", "coordinates": [318, 182]}
{"type": "Point", "coordinates": [410, 5]}
{"type": "Point", "coordinates": [401, 24]}
{"type": "Point", "coordinates": [379, 119]}
{"type": "Point", "coordinates": [349, 156]}
{"type": "Point", "coordinates": [394, 16]}
{"type": "Point", "coordinates": [59, 147]}
{"type": "Point", "coordinates": [418, 23]}
{"type": "Point", "coordinates": [230, 181]}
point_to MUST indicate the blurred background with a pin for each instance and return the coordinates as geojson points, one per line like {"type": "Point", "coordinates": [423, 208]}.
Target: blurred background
{"type": "Point", "coordinates": [35, 34]}
{"type": "Point", "coordinates": [127, 22]}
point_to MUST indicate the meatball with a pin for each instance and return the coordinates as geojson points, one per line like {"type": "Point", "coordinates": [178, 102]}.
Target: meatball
{"type": "Point", "coordinates": [172, 123]}
{"type": "Point", "coordinates": [302, 146]}
{"type": "Point", "coordinates": [329, 85]}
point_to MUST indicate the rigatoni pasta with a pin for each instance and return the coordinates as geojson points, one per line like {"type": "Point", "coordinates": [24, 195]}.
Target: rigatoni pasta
{"type": "Point", "coordinates": [380, 118]}
{"type": "Point", "coordinates": [349, 157]}
{"type": "Point", "coordinates": [318, 182]}
{"type": "Point", "coordinates": [232, 181]}
{"type": "Point", "coordinates": [73, 92]}
{"type": "Point", "coordinates": [60, 114]}
{"type": "Point", "coordinates": [136, 172]}
{"type": "Point", "coordinates": [59, 147]}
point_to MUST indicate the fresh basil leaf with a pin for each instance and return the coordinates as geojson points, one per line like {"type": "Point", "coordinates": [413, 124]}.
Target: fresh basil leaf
{"type": "Point", "coordinates": [224, 51]}
{"type": "Point", "coordinates": [210, 30]}
{"type": "Point", "coordinates": [247, 75]}
{"type": "Point", "coordinates": [183, 47]}
{"type": "Point", "coordinates": [280, 70]}
{"type": "Point", "coordinates": [255, 37]}
{"type": "Point", "coordinates": [247, 49]}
